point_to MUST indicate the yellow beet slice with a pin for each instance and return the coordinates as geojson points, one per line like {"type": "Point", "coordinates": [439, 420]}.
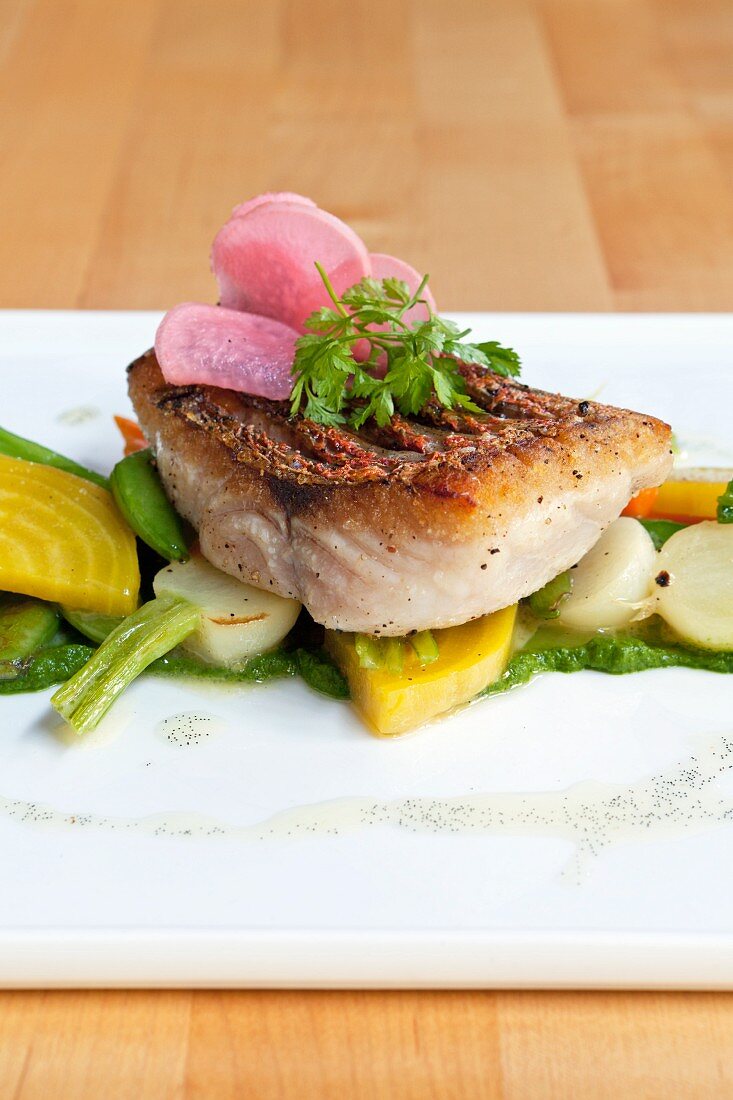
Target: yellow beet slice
{"type": "Point", "coordinates": [688, 499]}
{"type": "Point", "coordinates": [62, 539]}
{"type": "Point", "coordinates": [471, 657]}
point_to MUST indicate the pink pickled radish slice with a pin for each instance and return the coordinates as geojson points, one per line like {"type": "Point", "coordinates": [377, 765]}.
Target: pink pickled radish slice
{"type": "Point", "coordinates": [264, 259]}
{"type": "Point", "coordinates": [270, 196]}
{"type": "Point", "coordinates": [208, 345]}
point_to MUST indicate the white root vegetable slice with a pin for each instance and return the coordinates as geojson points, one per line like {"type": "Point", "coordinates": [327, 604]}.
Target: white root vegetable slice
{"type": "Point", "coordinates": [264, 259]}
{"type": "Point", "coordinates": [201, 344]}
{"type": "Point", "coordinates": [695, 584]}
{"type": "Point", "coordinates": [237, 620]}
{"type": "Point", "coordinates": [612, 579]}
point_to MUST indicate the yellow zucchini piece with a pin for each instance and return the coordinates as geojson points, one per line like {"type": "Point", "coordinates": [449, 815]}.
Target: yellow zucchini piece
{"type": "Point", "coordinates": [471, 657]}
{"type": "Point", "coordinates": [62, 539]}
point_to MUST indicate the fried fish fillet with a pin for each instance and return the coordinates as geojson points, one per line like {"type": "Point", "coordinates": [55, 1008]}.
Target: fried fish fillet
{"type": "Point", "coordinates": [428, 523]}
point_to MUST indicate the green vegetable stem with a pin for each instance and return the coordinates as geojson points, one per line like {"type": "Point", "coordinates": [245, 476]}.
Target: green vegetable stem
{"type": "Point", "coordinates": [545, 603]}
{"type": "Point", "coordinates": [14, 446]}
{"type": "Point", "coordinates": [389, 653]}
{"type": "Point", "coordinates": [151, 631]}
{"type": "Point", "coordinates": [369, 651]}
{"type": "Point", "coordinates": [425, 647]}
{"type": "Point", "coordinates": [141, 499]}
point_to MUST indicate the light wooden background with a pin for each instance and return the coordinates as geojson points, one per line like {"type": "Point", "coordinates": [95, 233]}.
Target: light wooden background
{"type": "Point", "coordinates": [558, 154]}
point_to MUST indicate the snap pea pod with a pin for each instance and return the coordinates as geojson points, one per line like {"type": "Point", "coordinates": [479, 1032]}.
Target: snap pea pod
{"type": "Point", "coordinates": [25, 626]}
{"type": "Point", "coordinates": [15, 446]}
{"type": "Point", "coordinates": [141, 499]}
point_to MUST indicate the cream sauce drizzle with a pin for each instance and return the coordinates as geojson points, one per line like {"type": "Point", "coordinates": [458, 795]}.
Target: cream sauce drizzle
{"type": "Point", "coordinates": [81, 414]}
{"type": "Point", "coordinates": [591, 815]}
{"type": "Point", "coordinates": [189, 728]}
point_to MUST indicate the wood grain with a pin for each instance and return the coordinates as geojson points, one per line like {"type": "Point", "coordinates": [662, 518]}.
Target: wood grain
{"type": "Point", "coordinates": [556, 154]}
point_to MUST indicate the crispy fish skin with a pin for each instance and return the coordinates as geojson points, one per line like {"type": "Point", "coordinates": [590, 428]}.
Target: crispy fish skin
{"type": "Point", "coordinates": [428, 523]}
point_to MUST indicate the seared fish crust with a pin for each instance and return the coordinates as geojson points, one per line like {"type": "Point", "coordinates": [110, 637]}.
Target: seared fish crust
{"type": "Point", "coordinates": [430, 522]}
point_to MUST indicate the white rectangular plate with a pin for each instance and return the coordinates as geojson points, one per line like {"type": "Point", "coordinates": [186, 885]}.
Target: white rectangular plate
{"type": "Point", "coordinates": [131, 859]}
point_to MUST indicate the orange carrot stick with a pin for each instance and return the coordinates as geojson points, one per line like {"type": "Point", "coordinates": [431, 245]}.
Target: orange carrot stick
{"type": "Point", "coordinates": [642, 505]}
{"type": "Point", "coordinates": [132, 435]}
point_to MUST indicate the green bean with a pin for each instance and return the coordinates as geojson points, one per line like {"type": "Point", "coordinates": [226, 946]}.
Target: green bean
{"type": "Point", "coordinates": [142, 501]}
{"type": "Point", "coordinates": [14, 446]}
{"type": "Point", "coordinates": [25, 626]}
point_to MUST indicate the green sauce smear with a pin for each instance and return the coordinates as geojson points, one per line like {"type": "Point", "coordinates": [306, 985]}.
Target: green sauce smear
{"type": "Point", "coordinates": [57, 664]}
{"type": "Point", "coordinates": [549, 650]}
{"type": "Point", "coordinates": [613, 654]}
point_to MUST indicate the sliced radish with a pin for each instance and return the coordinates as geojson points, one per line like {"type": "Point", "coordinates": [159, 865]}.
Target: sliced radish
{"type": "Point", "coordinates": [694, 588]}
{"type": "Point", "coordinates": [207, 345]}
{"type": "Point", "coordinates": [264, 259]}
{"type": "Point", "coordinates": [270, 196]}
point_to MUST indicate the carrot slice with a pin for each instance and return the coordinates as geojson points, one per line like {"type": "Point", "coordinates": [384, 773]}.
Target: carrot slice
{"type": "Point", "coordinates": [132, 435]}
{"type": "Point", "coordinates": [62, 539]}
{"type": "Point", "coordinates": [642, 505]}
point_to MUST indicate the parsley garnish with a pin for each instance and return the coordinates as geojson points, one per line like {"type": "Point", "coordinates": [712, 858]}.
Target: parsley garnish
{"type": "Point", "coordinates": [418, 360]}
{"type": "Point", "coordinates": [725, 505]}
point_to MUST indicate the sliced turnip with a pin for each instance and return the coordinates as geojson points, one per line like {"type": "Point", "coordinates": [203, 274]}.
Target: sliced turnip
{"type": "Point", "coordinates": [694, 591]}
{"type": "Point", "coordinates": [237, 620]}
{"type": "Point", "coordinates": [611, 580]}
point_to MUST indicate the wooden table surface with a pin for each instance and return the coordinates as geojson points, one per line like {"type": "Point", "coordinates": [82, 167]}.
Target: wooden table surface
{"type": "Point", "coordinates": [559, 154]}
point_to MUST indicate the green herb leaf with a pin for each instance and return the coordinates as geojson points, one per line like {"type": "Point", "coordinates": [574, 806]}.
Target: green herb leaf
{"type": "Point", "coordinates": [501, 360]}
{"type": "Point", "coordinates": [660, 529]}
{"type": "Point", "coordinates": [420, 360]}
{"type": "Point", "coordinates": [725, 505]}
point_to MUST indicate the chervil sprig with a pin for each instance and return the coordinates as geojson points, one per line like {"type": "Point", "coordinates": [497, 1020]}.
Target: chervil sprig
{"type": "Point", "coordinates": [399, 366]}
